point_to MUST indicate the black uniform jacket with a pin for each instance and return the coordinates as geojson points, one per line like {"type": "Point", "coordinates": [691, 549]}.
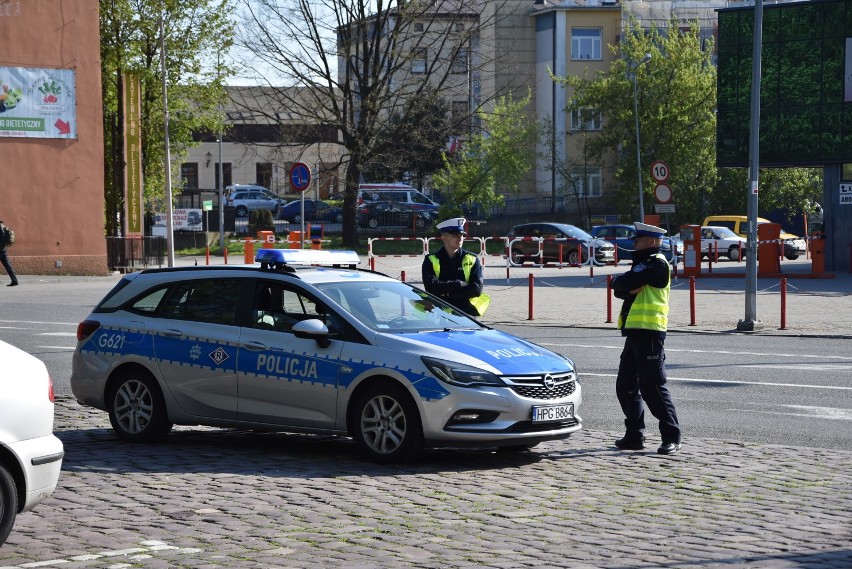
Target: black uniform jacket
{"type": "Point", "coordinates": [450, 284]}
{"type": "Point", "coordinates": [646, 270]}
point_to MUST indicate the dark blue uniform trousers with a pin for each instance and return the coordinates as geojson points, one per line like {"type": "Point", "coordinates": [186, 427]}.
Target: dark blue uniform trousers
{"type": "Point", "coordinates": [642, 375]}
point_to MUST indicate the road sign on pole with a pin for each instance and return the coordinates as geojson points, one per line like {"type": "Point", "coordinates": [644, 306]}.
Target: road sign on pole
{"type": "Point", "coordinates": [300, 176]}
{"type": "Point", "coordinates": [659, 171]}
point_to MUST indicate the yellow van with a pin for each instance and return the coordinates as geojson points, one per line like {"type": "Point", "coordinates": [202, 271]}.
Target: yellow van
{"type": "Point", "coordinates": [793, 244]}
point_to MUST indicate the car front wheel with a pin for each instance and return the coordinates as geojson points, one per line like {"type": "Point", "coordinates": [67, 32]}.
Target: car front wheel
{"type": "Point", "coordinates": [791, 256]}
{"type": "Point", "coordinates": [387, 424]}
{"type": "Point", "coordinates": [241, 211]}
{"type": "Point", "coordinates": [372, 223]}
{"type": "Point", "coordinates": [137, 410]}
{"type": "Point", "coordinates": [8, 503]}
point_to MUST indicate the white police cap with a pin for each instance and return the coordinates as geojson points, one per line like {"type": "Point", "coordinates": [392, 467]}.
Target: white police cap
{"type": "Point", "coordinates": [454, 225]}
{"type": "Point", "coordinates": [645, 230]}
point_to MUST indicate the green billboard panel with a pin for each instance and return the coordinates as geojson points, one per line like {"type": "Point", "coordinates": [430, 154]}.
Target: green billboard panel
{"type": "Point", "coordinates": [805, 89]}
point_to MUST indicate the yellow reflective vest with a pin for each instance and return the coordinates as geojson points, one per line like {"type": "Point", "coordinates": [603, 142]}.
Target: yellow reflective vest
{"type": "Point", "coordinates": [481, 302]}
{"type": "Point", "coordinates": [650, 309]}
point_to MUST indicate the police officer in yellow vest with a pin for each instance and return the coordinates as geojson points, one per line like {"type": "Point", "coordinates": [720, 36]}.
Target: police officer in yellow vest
{"type": "Point", "coordinates": [643, 322]}
{"type": "Point", "coordinates": [453, 273]}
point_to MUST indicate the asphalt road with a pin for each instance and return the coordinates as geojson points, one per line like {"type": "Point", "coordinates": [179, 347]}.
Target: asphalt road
{"type": "Point", "coordinates": [757, 389]}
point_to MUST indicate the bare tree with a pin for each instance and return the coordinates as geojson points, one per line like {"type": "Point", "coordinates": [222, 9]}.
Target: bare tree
{"type": "Point", "coordinates": [352, 65]}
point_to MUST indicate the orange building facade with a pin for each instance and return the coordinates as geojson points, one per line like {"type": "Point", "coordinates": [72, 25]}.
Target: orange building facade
{"type": "Point", "coordinates": [53, 187]}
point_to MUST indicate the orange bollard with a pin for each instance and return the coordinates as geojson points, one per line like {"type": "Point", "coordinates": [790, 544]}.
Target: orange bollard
{"type": "Point", "coordinates": [609, 299]}
{"type": "Point", "coordinates": [692, 301]}
{"type": "Point", "coordinates": [531, 287]}
{"type": "Point", "coordinates": [248, 252]}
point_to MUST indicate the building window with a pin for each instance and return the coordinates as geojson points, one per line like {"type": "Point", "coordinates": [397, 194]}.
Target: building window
{"type": "Point", "coordinates": [418, 60]}
{"type": "Point", "coordinates": [461, 116]}
{"type": "Point", "coordinates": [459, 27]}
{"type": "Point", "coordinates": [585, 43]}
{"type": "Point", "coordinates": [263, 174]}
{"type": "Point", "coordinates": [189, 174]}
{"type": "Point", "coordinates": [226, 175]}
{"type": "Point", "coordinates": [586, 119]}
{"type": "Point", "coordinates": [587, 181]}
{"type": "Point", "coordinates": [418, 26]}
{"type": "Point", "coordinates": [459, 64]}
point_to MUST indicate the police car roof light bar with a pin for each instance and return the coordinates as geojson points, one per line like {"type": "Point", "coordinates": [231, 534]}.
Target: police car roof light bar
{"type": "Point", "coordinates": [278, 258]}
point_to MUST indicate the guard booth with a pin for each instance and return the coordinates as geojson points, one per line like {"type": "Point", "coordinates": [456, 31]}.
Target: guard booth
{"type": "Point", "coordinates": [691, 237]}
{"type": "Point", "coordinates": [769, 248]}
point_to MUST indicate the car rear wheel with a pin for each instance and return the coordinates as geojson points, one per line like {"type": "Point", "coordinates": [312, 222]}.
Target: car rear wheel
{"type": "Point", "coordinates": [387, 424]}
{"type": "Point", "coordinates": [517, 256]}
{"type": "Point", "coordinates": [734, 253]}
{"type": "Point", "coordinates": [791, 257]}
{"type": "Point", "coordinates": [419, 222]}
{"type": "Point", "coordinates": [8, 503]}
{"type": "Point", "coordinates": [241, 211]}
{"type": "Point", "coordinates": [137, 410]}
{"type": "Point", "coordinates": [574, 257]}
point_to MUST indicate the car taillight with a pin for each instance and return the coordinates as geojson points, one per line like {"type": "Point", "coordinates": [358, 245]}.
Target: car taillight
{"type": "Point", "coordinates": [86, 328]}
{"type": "Point", "coordinates": [50, 394]}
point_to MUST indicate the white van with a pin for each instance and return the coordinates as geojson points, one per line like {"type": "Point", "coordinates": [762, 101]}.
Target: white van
{"type": "Point", "coordinates": [396, 192]}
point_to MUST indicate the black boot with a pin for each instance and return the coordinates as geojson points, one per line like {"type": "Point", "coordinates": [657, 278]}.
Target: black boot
{"type": "Point", "coordinates": [630, 442]}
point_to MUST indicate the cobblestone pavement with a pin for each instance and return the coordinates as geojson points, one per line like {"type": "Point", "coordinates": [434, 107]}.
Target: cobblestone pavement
{"type": "Point", "coordinates": [206, 498]}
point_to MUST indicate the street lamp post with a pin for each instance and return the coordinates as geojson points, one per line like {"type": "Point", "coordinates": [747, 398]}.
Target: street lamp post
{"type": "Point", "coordinates": [633, 68]}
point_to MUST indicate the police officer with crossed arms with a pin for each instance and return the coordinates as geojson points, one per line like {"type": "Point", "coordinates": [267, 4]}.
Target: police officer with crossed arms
{"type": "Point", "coordinates": [453, 273]}
{"type": "Point", "coordinates": [643, 322]}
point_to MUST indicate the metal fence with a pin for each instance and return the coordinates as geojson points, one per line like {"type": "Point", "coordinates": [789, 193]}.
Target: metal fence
{"type": "Point", "coordinates": [127, 254]}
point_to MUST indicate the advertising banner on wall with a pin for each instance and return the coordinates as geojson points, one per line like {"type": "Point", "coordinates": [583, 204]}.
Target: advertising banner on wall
{"type": "Point", "coordinates": [182, 220]}
{"type": "Point", "coordinates": [38, 103]}
{"type": "Point", "coordinates": [133, 155]}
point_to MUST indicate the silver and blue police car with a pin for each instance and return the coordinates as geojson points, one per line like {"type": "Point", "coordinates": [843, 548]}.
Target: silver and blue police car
{"type": "Point", "coordinates": [304, 341]}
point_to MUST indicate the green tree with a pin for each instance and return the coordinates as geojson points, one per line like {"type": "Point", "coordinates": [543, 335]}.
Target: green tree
{"type": "Point", "coordinates": [495, 160]}
{"type": "Point", "coordinates": [412, 143]}
{"type": "Point", "coordinates": [194, 32]}
{"type": "Point", "coordinates": [676, 98]}
{"type": "Point", "coordinates": [789, 189]}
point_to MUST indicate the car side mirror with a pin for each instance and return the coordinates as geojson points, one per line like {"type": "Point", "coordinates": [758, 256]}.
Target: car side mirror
{"type": "Point", "coordinates": [313, 328]}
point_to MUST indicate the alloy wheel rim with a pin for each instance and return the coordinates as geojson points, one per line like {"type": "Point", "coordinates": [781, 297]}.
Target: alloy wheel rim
{"type": "Point", "coordinates": [133, 406]}
{"type": "Point", "coordinates": [383, 424]}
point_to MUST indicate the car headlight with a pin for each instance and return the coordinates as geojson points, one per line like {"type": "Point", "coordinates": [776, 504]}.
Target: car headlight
{"type": "Point", "coordinates": [460, 374]}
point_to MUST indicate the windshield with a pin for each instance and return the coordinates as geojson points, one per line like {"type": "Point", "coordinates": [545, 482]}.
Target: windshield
{"type": "Point", "coordinates": [575, 232]}
{"type": "Point", "coordinates": [724, 232]}
{"type": "Point", "coordinates": [395, 307]}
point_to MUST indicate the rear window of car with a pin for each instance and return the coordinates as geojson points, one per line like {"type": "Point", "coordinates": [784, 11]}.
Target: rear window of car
{"type": "Point", "coordinates": [213, 301]}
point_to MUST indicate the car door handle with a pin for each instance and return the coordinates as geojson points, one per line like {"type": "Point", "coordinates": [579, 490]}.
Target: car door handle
{"type": "Point", "coordinates": [172, 333]}
{"type": "Point", "coordinates": [254, 346]}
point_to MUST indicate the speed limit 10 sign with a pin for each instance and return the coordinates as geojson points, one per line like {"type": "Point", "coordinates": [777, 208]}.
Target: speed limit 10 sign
{"type": "Point", "coordinates": [659, 171]}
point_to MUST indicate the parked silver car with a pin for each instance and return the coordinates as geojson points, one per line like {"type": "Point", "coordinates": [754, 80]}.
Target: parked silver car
{"type": "Point", "coordinates": [246, 198]}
